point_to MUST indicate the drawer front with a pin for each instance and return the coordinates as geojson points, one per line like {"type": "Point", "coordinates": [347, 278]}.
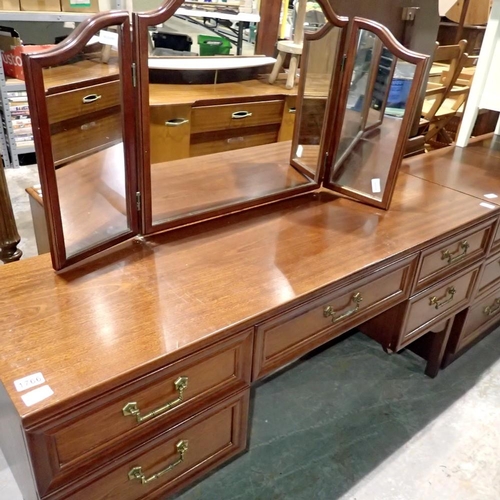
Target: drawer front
{"type": "Point", "coordinates": [241, 115]}
{"type": "Point", "coordinates": [86, 138]}
{"type": "Point", "coordinates": [434, 304]}
{"type": "Point", "coordinates": [157, 400]}
{"type": "Point", "coordinates": [482, 315]}
{"type": "Point", "coordinates": [496, 238]}
{"type": "Point", "coordinates": [490, 276]}
{"type": "Point", "coordinates": [88, 100]}
{"type": "Point", "coordinates": [446, 257]}
{"type": "Point", "coordinates": [229, 140]}
{"type": "Point", "coordinates": [288, 119]}
{"type": "Point", "coordinates": [294, 333]}
{"type": "Point", "coordinates": [170, 132]}
{"type": "Point", "coordinates": [174, 458]}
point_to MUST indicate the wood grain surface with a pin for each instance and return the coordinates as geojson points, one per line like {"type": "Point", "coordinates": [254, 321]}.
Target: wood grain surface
{"type": "Point", "coordinates": [153, 301]}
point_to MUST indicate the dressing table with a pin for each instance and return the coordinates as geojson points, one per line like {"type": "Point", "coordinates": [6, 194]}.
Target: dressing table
{"type": "Point", "coordinates": [181, 282]}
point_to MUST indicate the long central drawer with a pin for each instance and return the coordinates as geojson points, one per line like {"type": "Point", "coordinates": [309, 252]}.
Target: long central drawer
{"type": "Point", "coordinates": [295, 332]}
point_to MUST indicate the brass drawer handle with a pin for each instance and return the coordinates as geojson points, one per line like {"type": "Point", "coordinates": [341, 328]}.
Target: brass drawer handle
{"type": "Point", "coordinates": [136, 472]}
{"type": "Point", "coordinates": [235, 140]}
{"type": "Point", "coordinates": [452, 256]}
{"type": "Point", "coordinates": [89, 99]}
{"type": "Point", "coordinates": [328, 311]}
{"type": "Point", "coordinates": [292, 110]}
{"type": "Point", "coordinates": [132, 409]}
{"type": "Point", "coordinates": [238, 115]}
{"type": "Point", "coordinates": [88, 126]}
{"type": "Point", "coordinates": [493, 309]}
{"type": "Point", "coordinates": [176, 122]}
{"type": "Point", "coordinates": [434, 301]}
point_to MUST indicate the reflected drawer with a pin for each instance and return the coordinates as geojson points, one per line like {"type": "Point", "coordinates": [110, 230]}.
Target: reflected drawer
{"type": "Point", "coordinates": [446, 257]}
{"type": "Point", "coordinates": [295, 332]}
{"type": "Point", "coordinates": [75, 103]}
{"type": "Point", "coordinates": [490, 276]}
{"type": "Point", "coordinates": [432, 305]}
{"type": "Point", "coordinates": [174, 458]}
{"type": "Point", "coordinates": [229, 140]}
{"type": "Point", "coordinates": [228, 116]}
{"type": "Point", "coordinates": [86, 138]}
{"type": "Point", "coordinates": [102, 428]}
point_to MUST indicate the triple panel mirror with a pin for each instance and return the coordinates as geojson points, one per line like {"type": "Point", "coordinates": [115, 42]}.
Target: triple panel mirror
{"type": "Point", "coordinates": [144, 137]}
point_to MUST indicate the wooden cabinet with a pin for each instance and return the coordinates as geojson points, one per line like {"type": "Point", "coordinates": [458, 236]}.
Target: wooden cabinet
{"type": "Point", "coordinates": [84, 119]}
{"type": "Point", "coordinates": [204, 127]}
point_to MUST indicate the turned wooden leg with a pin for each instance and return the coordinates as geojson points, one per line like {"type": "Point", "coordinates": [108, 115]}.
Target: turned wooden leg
{"type": "Point", "coordinates": [292, 71]}
{"type": "Point", "coordinates": [276, 68]}
{"type": "Point", "coordinates": [9, 237]}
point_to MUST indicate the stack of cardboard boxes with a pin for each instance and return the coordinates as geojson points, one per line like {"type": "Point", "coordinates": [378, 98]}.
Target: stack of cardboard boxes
{"type": "Point", "coordinates": [50, 5]}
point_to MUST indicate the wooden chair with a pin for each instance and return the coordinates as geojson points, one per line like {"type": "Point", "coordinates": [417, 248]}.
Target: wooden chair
{"type": "Point", "coordinates": [444, 98]}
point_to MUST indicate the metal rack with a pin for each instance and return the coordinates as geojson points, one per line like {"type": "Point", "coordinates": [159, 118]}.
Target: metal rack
{"type": "Point", "coordinates": [10, 149]}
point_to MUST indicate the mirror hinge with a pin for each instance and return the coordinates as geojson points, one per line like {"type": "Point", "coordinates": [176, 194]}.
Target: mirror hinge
{"type": "Point", "coordinates": [342, 64]}
{"type": "Point", "coordinates": [138, 200]}
{"type": "Point", "coordinates": [134, 75]}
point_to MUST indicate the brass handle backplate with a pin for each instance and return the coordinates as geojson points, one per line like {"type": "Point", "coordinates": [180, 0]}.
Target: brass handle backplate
{"type": "Point", "coordinates": [89, 99]}
{"type": "Point", "coordinates": [292, 110]}
{"type": "Point", "coordinates": [176, 122]}
{"type": "Point", "coordinates": [238, 115]}
{"type": "Point", "coordinates": [136, 472]}
{"type": "Point", "coordinates": [328, 310]}
{"type": "Point", "coordinates": [132, 409]}
{"type": "Point", "coordinates": [493, 309]}
{"type": "Point", "coordinates": [435, 301]}
{"type": "Point", "coordinates": [454, 256]}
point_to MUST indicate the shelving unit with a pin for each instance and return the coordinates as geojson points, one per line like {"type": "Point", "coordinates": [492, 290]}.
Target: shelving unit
{"type": "Point", "coordinates": [39, 16]}
{"type": "Point", "coordinates": [10, 148]}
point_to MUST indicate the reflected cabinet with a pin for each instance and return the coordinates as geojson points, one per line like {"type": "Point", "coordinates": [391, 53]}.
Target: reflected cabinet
{"type": "Point", "coordinates": [133, 139]}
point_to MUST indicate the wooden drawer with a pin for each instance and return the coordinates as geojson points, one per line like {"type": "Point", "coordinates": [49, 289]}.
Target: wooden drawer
{"type": "Point", "coordinates": [434, 304]}
{"type": "Point", "coordinates": [229, 140]}
{"type": "Point", "coordinates": [86, 138]}
{"type": "Point", "coordinates": [170, 132]}
{"type": "Point", "coordinates": [482, 315]}
{"type": "Point", "coordinates": [75, 103]}
{"type": "Point", "coordinates": [87, 438]}
{"type": "Point", "coordinates": [446, 257]}
{"type": "Point", "coordinates": [240, 115]}
{"type": "Point", "coordinates": [177, 456]}
{"type": "Point", "coordinates": [297, 331]}
{"type": "Point", "coordinates": [490, 277]}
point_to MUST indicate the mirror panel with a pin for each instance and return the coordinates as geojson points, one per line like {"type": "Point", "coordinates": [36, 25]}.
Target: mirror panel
{"type": "Point", "coordinates": [381, 86]}
{"type": "Point", "coordinates": [217, 134]}
{"type": "Point", "coordinates": [320, 63]}
{"type": "Point", "coordinates": [82, 91]}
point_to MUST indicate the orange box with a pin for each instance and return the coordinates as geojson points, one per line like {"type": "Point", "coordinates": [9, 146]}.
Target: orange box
{"type": "Point", "coordinates": [44, 5]}
{"type": "Point", "coordinates": [80, 5]}
{"type": "Point", "coordinates": [12, 61]}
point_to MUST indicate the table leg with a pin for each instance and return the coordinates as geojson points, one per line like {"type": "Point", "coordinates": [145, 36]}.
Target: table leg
{"type": "Point", "coordinates": [437, 348]}
{"type": "Point", "coordinates": [9, 237]}
{"type": "Point", "coordinates": [239, 44]}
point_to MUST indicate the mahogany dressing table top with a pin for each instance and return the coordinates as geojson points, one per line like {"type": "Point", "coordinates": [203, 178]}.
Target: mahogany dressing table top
{"type": "Point", "coordinates": [147, 303]}
{"type": "Point", "coordinates": [474, 170]}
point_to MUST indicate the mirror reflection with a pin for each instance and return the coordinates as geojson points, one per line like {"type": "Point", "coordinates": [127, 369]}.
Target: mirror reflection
{"type": "Point", "coordinates": [318, 68]}
{"type": "Point", "coordinates": [380, 84]}
{"type": "Point", "coordinates": [83, 98]}
{"type": "Point", "coordinates": [219, 133]}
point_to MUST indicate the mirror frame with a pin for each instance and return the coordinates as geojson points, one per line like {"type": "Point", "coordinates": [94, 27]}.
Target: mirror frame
{"type": "Point", "coordinates": [333, 21]}
{"type": "Point", "coordinates": [420, 61]}
{"type": "Point", "coordinates": [141, 22]}
{"type": "Point", "coordinates": [33, 68]}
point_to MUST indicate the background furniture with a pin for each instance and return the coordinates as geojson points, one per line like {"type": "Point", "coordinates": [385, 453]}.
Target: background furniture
{"type": "Point", "coordinates": [484, 92]}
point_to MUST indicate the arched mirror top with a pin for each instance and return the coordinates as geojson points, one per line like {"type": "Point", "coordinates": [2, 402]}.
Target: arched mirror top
{"type": "Point", "coordinates": [160, 14]}
{"type": "Point", "coordinates": [331, 19]}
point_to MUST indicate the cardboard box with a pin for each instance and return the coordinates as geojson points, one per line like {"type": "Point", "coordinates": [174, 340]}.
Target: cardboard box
{"type": "Point", "coordinates": [45, 5]}
{"type": "Point", "coordinates": [11, 50]}
{"type": "Point", "coordinates": [80, 5]}
{"type": "Point", "coordinates": [10, 5]}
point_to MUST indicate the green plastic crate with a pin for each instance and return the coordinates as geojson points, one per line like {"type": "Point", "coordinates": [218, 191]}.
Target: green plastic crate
{"type": "Point", "coordinates": [213, 45]}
